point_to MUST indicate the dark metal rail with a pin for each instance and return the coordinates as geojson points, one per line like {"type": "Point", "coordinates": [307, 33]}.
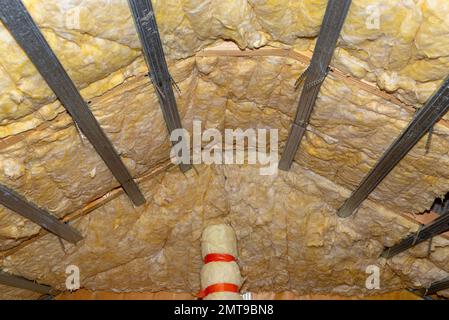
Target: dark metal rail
{"type": "Point", "coordinates": [435, 287]}
{"type": "Point", "coordinates": [16, 203]}
{"type": "Point", "coordinates": [16, 18]}
{"type": "Point", "coordinates": [145, 22]}
{"type": "Point", "coordinates": [10, 280]}
{"type": "Point", "coordinates": [427, 232]}
{"type": "Point", "coordinates": [424, 119]}
{"type": "Point", "coordinates": [334, 18]}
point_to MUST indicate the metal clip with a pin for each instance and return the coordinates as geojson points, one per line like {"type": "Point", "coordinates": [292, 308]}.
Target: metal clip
{"type": "Point", "coordinates": [175, 85]}
{"type": "Point", "coordinates": [80, 133]}
{"type": "Point", "coordinates": [429, 139]}
{"type": "Point", "coordinates": [429, 247]}
{"type": "Point", "coordinates": [302, 77]}
{"type": "Point", "coordinates": [317, 81]}
{"type": "Point", "coordinates": [62, 245]}
{"type": "Point", "coordinates": [417, 234]}
{"type": "Point", "coordinates": [158, 89]}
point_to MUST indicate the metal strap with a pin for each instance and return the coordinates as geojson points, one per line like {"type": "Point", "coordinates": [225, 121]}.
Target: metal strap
{"type": "Point", "coordinates": [22, 27]}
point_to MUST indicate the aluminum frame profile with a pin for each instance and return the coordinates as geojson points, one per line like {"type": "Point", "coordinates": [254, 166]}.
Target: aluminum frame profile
{"type": "Point", "coordinates": [427, 232]}
{"type": "Point", "coordinates": [18, 204]}
{"type": "Point", "coordinates": [423, 120]}
{"type": "Point", "coordinates": [20, 24]}
{"type": "Point", "coordinates": [334, 17]}
{"type": "Point", "coordinates": [11, 280]}
{"type": "Point", "coordinates": [435, 287]}
{"type": "Point", "coordinates": [146, 26]}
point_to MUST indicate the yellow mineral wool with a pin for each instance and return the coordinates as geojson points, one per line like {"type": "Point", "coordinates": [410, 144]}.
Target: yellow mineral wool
{"type": "Point", "coordinates": [235, 63]}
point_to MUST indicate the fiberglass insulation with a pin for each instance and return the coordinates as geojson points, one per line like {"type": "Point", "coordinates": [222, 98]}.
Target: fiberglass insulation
{"type": "Point", "coordinates": [289, 237]}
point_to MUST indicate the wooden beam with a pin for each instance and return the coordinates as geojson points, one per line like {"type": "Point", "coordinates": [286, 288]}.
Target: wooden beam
{"type": "Point", "coordinates": [145, 22]}
{"type": "Point", "coordinates": [11, 280]}
{"type": "Point", "coordinates": [334, 18]}
{"type": "Point", "coordinates": [16, 18]}
{"type": "Point", "coordinates": [16, 203]}
{"type": "Point", "coordinates": [424, 119]}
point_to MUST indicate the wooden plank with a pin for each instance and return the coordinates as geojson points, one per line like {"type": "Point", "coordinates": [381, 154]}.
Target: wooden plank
{"type": "Point", "coordinates": [22, 27]}
{"type": "Point", "coordinates": [11, 280]}
{"type": "Point", "coordinates": [145, 22]}
{"type": "Point", "coordinates": [16, 203]}
{"type": "Point", "coordinates": [424, 119]}
{"type": "Point", "coordinates": [334, 18]}
{"type": "Point", "coordinates": [232, 50]}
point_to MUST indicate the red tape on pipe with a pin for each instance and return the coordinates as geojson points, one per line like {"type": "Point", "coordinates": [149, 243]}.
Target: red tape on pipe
{"type": "Point", "coordinates": [218, 287]}
{"type": "Point", "coordinates": [218, 257]}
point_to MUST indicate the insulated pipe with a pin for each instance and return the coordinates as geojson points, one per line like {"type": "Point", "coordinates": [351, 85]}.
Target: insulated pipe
{"type": "Point", "coordinates": [220, 275]}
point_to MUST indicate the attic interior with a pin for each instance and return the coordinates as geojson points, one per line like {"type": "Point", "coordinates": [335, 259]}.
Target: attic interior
{"type": "Point", "coordinates": [357, 91]}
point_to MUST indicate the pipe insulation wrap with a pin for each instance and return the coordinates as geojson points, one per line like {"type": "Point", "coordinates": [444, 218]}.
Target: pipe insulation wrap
{"type": "Point", "coordinates": [220, 239]}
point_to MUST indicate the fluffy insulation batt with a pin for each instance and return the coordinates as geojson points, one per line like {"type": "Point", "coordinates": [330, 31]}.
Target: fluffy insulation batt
{"type": "Point", "coordinates": [288, 233]}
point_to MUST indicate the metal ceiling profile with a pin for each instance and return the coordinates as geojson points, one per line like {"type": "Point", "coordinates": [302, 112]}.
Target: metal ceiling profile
{"type": "Point", "coordinates": [18, 21]}
{"type": "Point", "coordinates": [427, 232]}
{"type": "Point", "coordinates": [146, 26]}
{"type": "Point", "coordinates": [11, 280]}
{"type": "Point", "coordinates": [435, 287]}
{"type": "Point", "coordinates": [16, 203]}
{"type": "Point", "coordinates": [316, 73]}
{"type": "Point", "coordinates": [424, 119]}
